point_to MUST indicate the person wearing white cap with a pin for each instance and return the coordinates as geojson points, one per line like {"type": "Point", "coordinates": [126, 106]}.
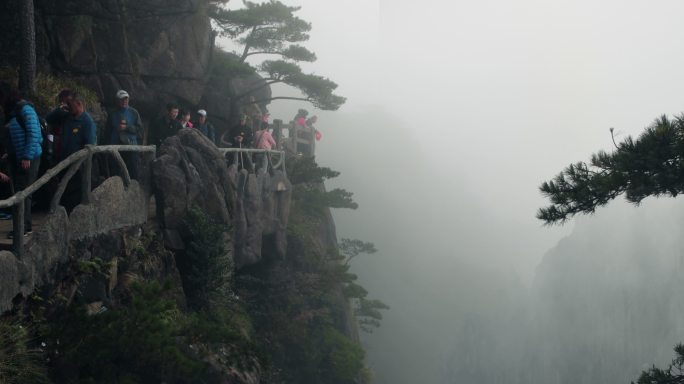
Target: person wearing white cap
{"type": "Point", "coordinates": [205, 127]}
{"type": "Point", "coordinates": [124, 127]}
{"type": "Point", "coordinates": [123, 124]}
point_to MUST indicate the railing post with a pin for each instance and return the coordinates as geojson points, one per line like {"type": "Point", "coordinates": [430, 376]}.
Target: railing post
{"type": "Point", "coordinates": [122, 165]}
{"type": "Point", "coordinates": [18, 229]}
{"type": "Point", "coordinates": [278, 132]}
{"type": "Point", "coordinates": [263, 162]}
{"type": "Point", "coordinates": [249, 164]}
{"type": "Point", "coordinates": [63, 184]}
{"type": "Point", "coordinates": [282, 164]}
{"type": "Point", "coordinates": [313, 141]}
{"type": "Point", "coordinates": [86, 177]}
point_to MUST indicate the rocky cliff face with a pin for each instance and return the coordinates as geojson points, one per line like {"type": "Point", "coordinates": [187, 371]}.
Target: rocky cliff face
{"type": "Point", "coordinates": [158, 50]}
{"type": "Point", "coordinates": [191, 172]}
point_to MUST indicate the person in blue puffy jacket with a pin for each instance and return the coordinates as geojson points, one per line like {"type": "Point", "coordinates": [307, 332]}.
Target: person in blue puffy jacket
{"type": "Point", "coordinates": [25, 148]}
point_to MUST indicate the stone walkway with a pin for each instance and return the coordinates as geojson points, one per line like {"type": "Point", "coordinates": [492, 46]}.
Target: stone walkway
{"type": "Point", "coordinates": [6, 227]}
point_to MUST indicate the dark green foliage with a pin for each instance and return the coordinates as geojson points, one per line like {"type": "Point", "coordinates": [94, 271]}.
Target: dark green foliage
{"type": "Point", "coordinates": [674, 374]}
{"type": "Point", "coordinates": [263, 28]}
{"type": "Point", "coordinates": [304, 170]}
{"type": "Point", "coordinates": [144, 336]}
{"type": "Point", "coordinates": [271, 28]}
{"type": "Point", "coordinates": [354, 291]}
{"type": "Point", "coordinates": [134, 344]}
{"type": "Point", "coordinates": [651, 165]}
{"type": "Point", "coordinates": [315, 198]}
{"type": "Point", "coordinates": [296, 316]}
{"type": "Point", "coordinates": [225, 65]}
{"type": "Point", "coordinates": [19, 363]}
{"type": "Point", "coordinates": [227, 326]}
{"type": "Point", "coordinates": [206, 267]}
{"type": "Point", "coordinates": [309, 193]}
{"type": "Point", "coordinates": [368, 313]}
{"type": "Point", "coordinates": [343, 357]}
{"type": "Point", "coordinates": [47, 88]}
{"type": "Point", "coordinates": [317, 89]}
{"type": "Point", "coordinates": [350, 248]}
{"type": "Point", "coordinates": [300, 306]}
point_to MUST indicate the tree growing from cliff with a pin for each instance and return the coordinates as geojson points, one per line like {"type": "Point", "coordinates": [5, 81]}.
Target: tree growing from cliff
{"type": "Point", "coordinates": [674, 374]}
{"type": "Point", "coordinates": [651, 165]}
{"type": "Point", "coordinates": [272, 28]}
{"type": "Point", "coordinates": [350, 248]}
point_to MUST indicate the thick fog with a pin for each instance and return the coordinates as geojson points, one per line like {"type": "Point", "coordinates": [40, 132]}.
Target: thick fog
{"type": "Point", "coordinates": [456, 112]}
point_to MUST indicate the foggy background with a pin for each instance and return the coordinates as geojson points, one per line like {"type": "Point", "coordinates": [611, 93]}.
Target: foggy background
{"type": "Point", "coordinates": [456, 112]}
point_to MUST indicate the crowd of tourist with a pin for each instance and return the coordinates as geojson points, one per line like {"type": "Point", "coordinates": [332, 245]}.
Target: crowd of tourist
{"type": "Point", "coordinates": [68, 128]}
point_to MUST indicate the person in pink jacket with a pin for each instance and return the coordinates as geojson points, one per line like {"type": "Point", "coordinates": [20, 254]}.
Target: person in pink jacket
{"type": "Point", "coordinates": [263, 138]}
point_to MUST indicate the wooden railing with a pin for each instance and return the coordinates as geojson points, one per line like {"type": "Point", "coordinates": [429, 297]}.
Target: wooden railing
{"type": "Point", "coordinates": [82, 159]}
{"type": "Point", "coordinates": [300, 140]}
{"type": "Point", "coordinates": [265, 161]}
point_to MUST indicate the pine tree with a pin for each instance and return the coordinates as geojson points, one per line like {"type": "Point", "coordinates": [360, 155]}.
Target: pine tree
{"type": "Point", "coordinates": [272, 28]}
{"type": "Point", "coordinates": [674, 374]}
{"type": "Point", "coordinates": [651, 165]}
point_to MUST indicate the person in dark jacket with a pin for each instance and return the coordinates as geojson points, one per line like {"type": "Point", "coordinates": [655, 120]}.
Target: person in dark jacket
{"type": "Point", "coordinates": [57, 117]}
{"type": "Point", "coordinates": [78, 130]}
{"type": "Point", "coordinates": [24, 150]}
{"type": "Point", "coordinates": [205, 127]}
{"type": "Point", "coordinates": [78, 127]}
{"type": "Point", "coordinates": [241, 135]}
{"type": "Point", "coordinates": [165, 126]}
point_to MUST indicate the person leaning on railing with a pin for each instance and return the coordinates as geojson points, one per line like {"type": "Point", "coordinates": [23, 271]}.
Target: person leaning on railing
{"type": "Point", "coordinates": [78, 130]}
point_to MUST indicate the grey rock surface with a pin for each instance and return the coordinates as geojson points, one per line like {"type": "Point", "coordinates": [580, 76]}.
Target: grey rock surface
{"type": "Point", "coordinates": [160, 51]}
{"type": "Point", "coordinates": [262, 208]}
{"type": "Point", "coordinates": [9, 279]}
{"type": "Point", "coordinates": [191, 172]}
{"type": "Point", "coordinates": [113, 206]}
{"type": "Point", "coordinates": [55, 242]}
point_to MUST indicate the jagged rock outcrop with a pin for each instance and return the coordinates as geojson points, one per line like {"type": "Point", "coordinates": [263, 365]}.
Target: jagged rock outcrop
{"type": "Point", "coordinates": [191, 172]}
{"type": "Point", "coordinates": [261, 211]}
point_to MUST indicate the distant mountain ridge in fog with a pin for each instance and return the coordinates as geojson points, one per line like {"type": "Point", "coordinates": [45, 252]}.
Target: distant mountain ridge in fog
{"type": "Point", "coordinates": [605, 305]}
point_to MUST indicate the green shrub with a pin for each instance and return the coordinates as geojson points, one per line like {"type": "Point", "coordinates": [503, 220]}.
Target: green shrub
{"type": "Point", "coordinates": [47, 88]}
{"type": "Point", "coordinates": [136, 343]}
{"type": "Point", "coordinates": [207, 267]}
{"type": "Point", "coordinates": [343, 358]}
{"type": "Point", "coordinates": [19, 363]}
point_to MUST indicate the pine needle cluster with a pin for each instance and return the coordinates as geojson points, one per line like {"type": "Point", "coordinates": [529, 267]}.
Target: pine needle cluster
{"type": "Point", "coordinates": [651, 165]}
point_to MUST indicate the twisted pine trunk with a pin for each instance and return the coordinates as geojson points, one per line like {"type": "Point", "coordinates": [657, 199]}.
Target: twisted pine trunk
{"type": "Point", "coordinates": [27, 69]}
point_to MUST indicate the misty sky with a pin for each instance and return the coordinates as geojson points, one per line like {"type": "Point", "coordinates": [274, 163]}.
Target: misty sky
{"type": "Point", "coordinates": [493, 97]}
{"type": "Point", "coordinates": [503, 94]}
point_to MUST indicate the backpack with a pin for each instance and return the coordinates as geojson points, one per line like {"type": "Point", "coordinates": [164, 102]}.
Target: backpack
{"type": "Point", "coordinates": [46, 144]}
